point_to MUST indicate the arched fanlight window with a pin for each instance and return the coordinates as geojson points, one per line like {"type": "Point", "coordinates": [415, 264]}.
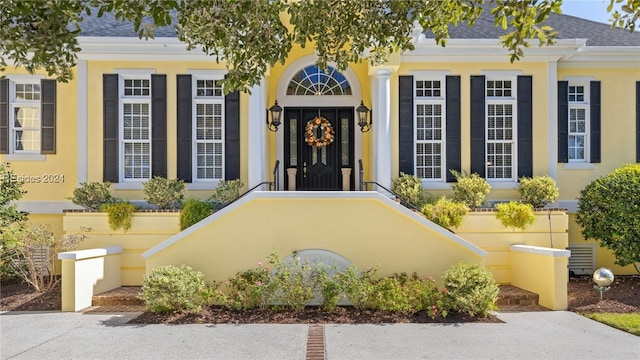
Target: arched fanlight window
{"type": "Point", "coordinates": [314, 81]}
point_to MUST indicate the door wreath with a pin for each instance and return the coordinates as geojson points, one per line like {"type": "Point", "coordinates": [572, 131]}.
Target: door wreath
{"type": "Point", "coordinates": [323, 137]}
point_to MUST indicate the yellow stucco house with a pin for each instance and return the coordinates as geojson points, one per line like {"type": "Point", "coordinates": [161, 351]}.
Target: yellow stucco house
{"type": "Point", "coordinates": [137, 109]}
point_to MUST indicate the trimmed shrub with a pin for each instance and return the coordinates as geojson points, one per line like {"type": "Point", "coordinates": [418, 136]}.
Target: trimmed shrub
{"type": "Point", "coordinates": [120, 214]}
{"type": "Point", "coordinates": [246, 290]}
{"type": "Point", "coordinates": [515, 215]}
{"type": "Point", "coordinates": [358, 286]}
{"type": "Point", "coordinates": [226, 192]}
{"type": "Point", "coordinates": [329, 286]}
{"type": "Point", "coordinates": [193, 211]}
{"type": "Point", "coordinates": [291, 284]}
{"type": "Point", "coordinates": [470, 190]}
{"type": "Point", "coordinates": [470, 289]}
{"type": "Point", "coordinates": [163, 193]}
{"type": "Point", "coordinates": [609, 212]}
{"type": "Point", "coordinates": [446, 213]}
{"type": "Point", "coordinates": [539, 191]}
{"type": "Point", "coordinates": [175, 288]}
{"type": "Point", "coordinates": [92, 195]}
{"type": "Point", "coordinates": [409, 189]}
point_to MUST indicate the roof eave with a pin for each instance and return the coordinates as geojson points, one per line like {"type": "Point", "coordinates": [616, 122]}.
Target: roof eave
{"type": "Point", "coordinates": [474, 50]}
{"type": "Point", "coordinates": [132, 48]}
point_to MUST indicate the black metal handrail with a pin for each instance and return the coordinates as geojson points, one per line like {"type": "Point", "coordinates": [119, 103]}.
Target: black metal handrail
{"type": "Point", "coordinates": [272, 184]}
{"type": "Point", "coordinates": [276, 176]}
{"type": "Point", "coordinates": [365, 185]}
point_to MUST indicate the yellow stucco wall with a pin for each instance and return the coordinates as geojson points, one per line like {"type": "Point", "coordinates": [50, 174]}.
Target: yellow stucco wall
{"type": "Point", "coordinates": [542, 271]}
{"type": "Point", "coordinates": [465, 70]}
{"type": "Point", "coordinates": [54, 178]}
{"type": "Point", "coordinates": [96, 69]}
{"type": "Point", "coordinates": [147, 230]}
{"type": "Point", "coordinates": [618, 119]}
{"type": "Point", "coordinates": [86, 273]}
{"type": "Point", "coordinates": [368, 230]}
{"type": "Point", "coordinates": [484, 230]}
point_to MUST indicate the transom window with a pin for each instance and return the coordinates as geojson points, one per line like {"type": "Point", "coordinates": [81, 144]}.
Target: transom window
{"type": "Point", "coordinates": [578, 124]}
{"type": "Point", "coordinates": [314, 81]}
{"type": "Point", "coordinates": [136, 87]}
{"type": "Point", "coordinates": [25, 117]}
{"type": "Point", "coordinates": [499, 88]}
{"type": "Point", "coordinates": [500, 129]}
{"type": "Point", "coordinates": [208, 100]}
{"type": "Point", "coordinates": [576, 93]}
{"type": "Point", "coordinates": [136, 128]}
{"type": "Point", "coordinates": [429, 129]}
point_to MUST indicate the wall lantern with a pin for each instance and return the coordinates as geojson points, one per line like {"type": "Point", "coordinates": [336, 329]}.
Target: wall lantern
{"type": "Point", "coordinates": [364, 117]}
{"type": "Point", "coordinates": [276, 112]}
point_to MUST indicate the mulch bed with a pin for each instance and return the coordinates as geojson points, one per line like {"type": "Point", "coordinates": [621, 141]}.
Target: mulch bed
{"type": "Point", "coordinates": [623, 297]}
{"type": "Point", "coordinates": [310, 315]}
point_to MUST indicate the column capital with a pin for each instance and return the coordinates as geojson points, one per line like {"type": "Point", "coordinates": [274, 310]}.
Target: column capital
{"type": "Point", "coordinates": [383, 73]}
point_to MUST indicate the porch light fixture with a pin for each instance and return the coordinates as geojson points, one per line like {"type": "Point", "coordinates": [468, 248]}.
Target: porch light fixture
{"type": "Point", "coordinates": [364, 117]}
{"type": "Point", "coordinates": [276, 112]}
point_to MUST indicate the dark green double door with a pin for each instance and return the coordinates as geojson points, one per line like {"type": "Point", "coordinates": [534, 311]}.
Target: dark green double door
{"type": "Point", "coordinates": [319, 167]}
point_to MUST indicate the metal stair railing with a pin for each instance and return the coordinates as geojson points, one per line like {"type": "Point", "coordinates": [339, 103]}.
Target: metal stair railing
{"type": "Point", "coordinates": [273, 185]}
{"type": "Point", "coordinates": [365, 185]}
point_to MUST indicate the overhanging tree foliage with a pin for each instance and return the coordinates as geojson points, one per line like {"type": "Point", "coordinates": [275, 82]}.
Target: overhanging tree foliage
{"type": "Point", "coordinates": [252, 35]}
{"type": "Point", "coordinates": [609, 211]}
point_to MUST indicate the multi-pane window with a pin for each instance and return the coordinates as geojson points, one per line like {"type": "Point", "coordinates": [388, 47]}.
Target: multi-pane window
{"type": "Point", "coordinates": [429, 129]}
{"type": "Point", "coordinates": [315, 81]}
{"type": "Point", "coordinates": [208, 101]}
{"type": "Point", "coordinates": [578, 115]}
{"type": "Point", "coordinates": [500, 129]}
{"type": "Point", "coordinates": [136, 128]}
{"type": "Point", "coordinates": [25, 117]}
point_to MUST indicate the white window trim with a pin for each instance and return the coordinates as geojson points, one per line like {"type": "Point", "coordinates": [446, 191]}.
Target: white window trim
{"type": "Point", "coordinates": [22, 155]}
{"type": "Point", "coordinates": [198, 183]}
{"type": "Point", "coordinates": [513, 101]}
{"type": "Point", "coordinates": [585, 104]}
{"type": "Point", "coordinates": [432, 100]}
{"type": "Point", "coordinates": [132, 75]}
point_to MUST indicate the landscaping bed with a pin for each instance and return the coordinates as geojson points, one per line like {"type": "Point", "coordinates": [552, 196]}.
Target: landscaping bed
{"type": "Point", "coordinates": [623, 297]}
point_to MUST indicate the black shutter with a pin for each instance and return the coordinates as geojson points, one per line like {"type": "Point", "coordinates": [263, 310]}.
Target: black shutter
{"type": "Point", "coordinates": [637, 121]}
{"type": "Point", "coordinates": [159, 125]}
{"type": "Point", "coordinates": [453, 143]}
{"type": "Point", "coordinates": [525, 126]}
{"type": "Point", "coordinates": [563, 121]}
{"type": "Point", "coordinates": [232, 135]}
{"type": "Point", "coordinates": [478, 158]}
{"type": "Point", "coordinates": [48, 125]}
{"type": "Point", "coordinates": [594, 135]}
{"type": "Point", "coordinates": [110, 128]}
{"type": "Point", "coordinates": [4, 116]}
{"type": "Point", "coordinates": [405, 131]}
{"type": "Point", "coordinates": [184, 120]}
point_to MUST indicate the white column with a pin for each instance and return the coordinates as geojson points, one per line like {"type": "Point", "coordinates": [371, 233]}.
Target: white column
{"type": "Point", "coordinates": [552, 115]}
{"type": "Point", "coordinates": [82, 130]}
{"type": "Point", "coordinates": [256, 152]}
{"type": "Point", "coordinates": [382, 128]}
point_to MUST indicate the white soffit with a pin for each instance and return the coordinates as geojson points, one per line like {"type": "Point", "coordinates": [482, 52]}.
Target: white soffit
{"type": "Point", "coordinates": [133, 48]}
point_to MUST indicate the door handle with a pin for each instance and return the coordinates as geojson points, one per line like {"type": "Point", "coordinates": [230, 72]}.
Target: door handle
{"type": "Point", "coordinates": [304, 169]}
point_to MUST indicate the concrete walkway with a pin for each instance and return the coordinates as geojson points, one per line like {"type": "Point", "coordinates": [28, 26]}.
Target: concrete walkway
{"type": "Point", "coordinates": [526, 335]}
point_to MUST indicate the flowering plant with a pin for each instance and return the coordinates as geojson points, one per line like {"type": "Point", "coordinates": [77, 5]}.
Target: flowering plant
{"type": "Point", "coordinates": [318, 139]}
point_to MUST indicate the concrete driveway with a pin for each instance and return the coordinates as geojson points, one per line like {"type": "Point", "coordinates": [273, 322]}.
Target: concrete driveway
{"type": "Point", "coordinates": [526, 335]}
